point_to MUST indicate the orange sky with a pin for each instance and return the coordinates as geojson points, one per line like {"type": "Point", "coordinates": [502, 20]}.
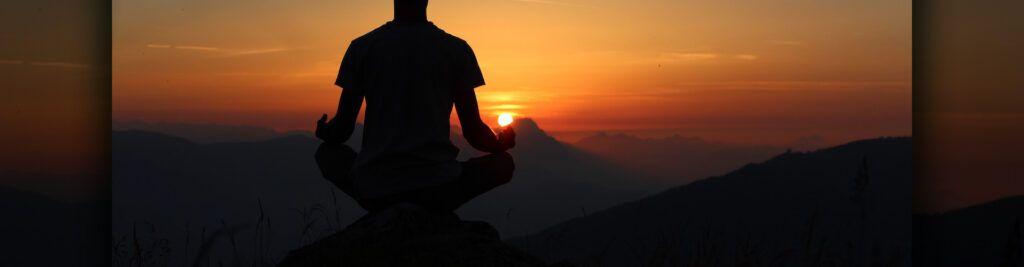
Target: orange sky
{"type": "Point", "coordinates": [742, 71]}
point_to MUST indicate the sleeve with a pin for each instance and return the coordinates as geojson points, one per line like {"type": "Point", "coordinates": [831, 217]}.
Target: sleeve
{"type": "Point", "coordinates": [349, 71]}
{"type": "Point", "coordinates": [469, 75]}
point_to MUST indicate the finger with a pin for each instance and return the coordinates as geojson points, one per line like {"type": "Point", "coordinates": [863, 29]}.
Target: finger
{"type": "Point", "coordinates": [323, 119]}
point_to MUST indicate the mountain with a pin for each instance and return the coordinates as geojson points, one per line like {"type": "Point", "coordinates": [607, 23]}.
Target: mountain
{"type": "Point", "coordinates": [675, 160]}
{"type": "Point", "coordinates": [553, 182]}
{"type": "Point", "coordinates": [166, 187]}
{"type": "Point", "coordinates": [35, 228]}
{"type": "Point", "coordinates": [75, 187]}
{"type": "Point", "coordinates": [980, 235]}
{"type": "Point", "coordinates": [794, 208]}
{"type": "Point", "coordinates": [172, 186]}
{"type": "Point", "coordinates": [201, 132]}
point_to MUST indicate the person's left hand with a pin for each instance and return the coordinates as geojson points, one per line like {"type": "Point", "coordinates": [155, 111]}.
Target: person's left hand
{"type": "Point", "coordinates": [507, 138]}
{"type": "Point", "coordinates": [323, 129]}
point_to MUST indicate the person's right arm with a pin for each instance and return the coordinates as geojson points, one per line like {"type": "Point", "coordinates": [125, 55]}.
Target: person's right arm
{"type": "Point", "coordinates": [477, 133]}
{"type": "Point", "coordinates": [340, 128]}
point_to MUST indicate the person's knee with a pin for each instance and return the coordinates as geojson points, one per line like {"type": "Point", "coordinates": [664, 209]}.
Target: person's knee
{"type": "Point", "coordinates": [505, 167]}
{"type": "Point", "coordinates": [335, 162]}
{"type": "Point", "coordinates": [334, 154]}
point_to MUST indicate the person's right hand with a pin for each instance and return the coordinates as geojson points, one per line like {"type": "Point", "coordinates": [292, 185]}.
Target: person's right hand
{"type": "Point", "coordinates": [507, 138]}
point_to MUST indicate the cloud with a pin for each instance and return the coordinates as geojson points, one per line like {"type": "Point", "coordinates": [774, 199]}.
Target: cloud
{"type": "Point", "coordinates": [220, 51]}
{"type": "Point", "coordinates": [745, 57]}
{"type": "Point", "coordinates": [783, 85]}
{"type": "Point", "coordinates": [685, 57]}
{"type": "Point", "coordinates": [505, 107]}
{"type": "Point", "coordinates": [293, 74]}
{"type": "Point", "coordinates": [59, 65]}
{"type": "Point", "coordinates": [688, 56]}
{"type": "Point", "coordinates": [200, 48]}
{"type": "Point", "coordinates": [255, 51]}
{"type": "Point", "coordinates": [53, 64]}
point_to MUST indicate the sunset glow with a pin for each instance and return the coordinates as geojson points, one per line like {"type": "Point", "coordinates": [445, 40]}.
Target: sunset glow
{"type": "Point", "coordinates": [504, 119]}
{"type": "Point", "coordinates": [742, 71]}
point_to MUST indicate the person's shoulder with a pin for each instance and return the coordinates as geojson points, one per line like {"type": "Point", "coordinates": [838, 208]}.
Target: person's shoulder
{"type": "Point", "coordinates": [451, 39]}
{"type": "Point", "coordinates": [369, 36]}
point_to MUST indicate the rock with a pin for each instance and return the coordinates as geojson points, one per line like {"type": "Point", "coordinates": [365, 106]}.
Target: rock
{"type": "Point", "coordinates": [407, 235]}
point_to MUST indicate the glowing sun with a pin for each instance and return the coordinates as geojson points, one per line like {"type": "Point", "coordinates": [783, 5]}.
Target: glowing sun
{"type": "Point", "coordinates": [505, 119]}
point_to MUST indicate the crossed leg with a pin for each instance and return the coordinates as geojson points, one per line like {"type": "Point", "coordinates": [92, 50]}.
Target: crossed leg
{"type": "Point", "coordinates": [479, 175]}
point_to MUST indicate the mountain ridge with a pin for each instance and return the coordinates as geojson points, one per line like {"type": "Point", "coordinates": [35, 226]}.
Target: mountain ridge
{"type": "Point", "coordinates": [768, 197]}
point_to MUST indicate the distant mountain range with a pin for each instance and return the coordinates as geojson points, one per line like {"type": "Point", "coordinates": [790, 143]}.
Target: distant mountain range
{"type": "Point", "coordinates": [668, 161]}
{"type": "Point", "coordinates": [201, 132]}
{"type": "Point", "coordinates": [796, 208]}
{"type": "Point", "coordinates": [980, 235]}
{"type": "Point", "coordinates": [163, 183]}
{"type": "Point", "coordinates": [166, 182]}
{"type": "Point", "coordinates": [675, 160]}
{"type": "Point", "coordinates": [37, 230]}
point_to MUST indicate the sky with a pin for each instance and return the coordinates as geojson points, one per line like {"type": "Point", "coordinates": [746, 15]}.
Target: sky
{"type": "Point", "coordinates": [968, 104]}
{"type": "Point", "coordinates": [734, 71]}
{"type": "Point", "coordinates": [741, 71]}
{"type": "Point", "coordinates": [53, 101]}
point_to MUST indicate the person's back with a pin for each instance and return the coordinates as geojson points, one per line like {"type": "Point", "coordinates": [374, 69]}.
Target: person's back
{"type": "Point", "coordinates": [407, 71]}
{"type": "Point", "coordinates": [411, 74]}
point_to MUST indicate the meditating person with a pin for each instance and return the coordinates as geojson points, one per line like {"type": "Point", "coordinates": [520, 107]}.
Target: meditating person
{"type": "Point", "coordinates": [411, 73]}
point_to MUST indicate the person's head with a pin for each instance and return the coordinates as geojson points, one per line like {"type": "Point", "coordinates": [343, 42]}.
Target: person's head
{"type": "Point", "coordinates": [411, 9]}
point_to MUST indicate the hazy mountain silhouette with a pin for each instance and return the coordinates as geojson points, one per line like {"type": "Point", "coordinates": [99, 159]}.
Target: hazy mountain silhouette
{"type": "Point", "coordinates": [793, 208]}
{"type": "Point", "coordinates": [78, 187]}
{"type": "Point", "coordinates": [675, 160]}
{"type": "Point", "coordinates": [168, 182]}
{"type": "Point", "coordinates": [553, 182]}
{"type": "Point", "coordinates": [162, 183]}
{"type": "Point", "coordinates": [980, 235]}
{"type": "Point", "coordinates": [36, 228]}
{"type": "Point", "coordinates": [202, 132]}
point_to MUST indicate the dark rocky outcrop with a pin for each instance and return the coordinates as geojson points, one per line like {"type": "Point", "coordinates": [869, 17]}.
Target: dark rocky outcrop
{"type": "Point", "coordinates": [407, 235]}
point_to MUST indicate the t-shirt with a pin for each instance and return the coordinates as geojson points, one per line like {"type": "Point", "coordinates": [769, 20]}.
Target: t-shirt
{"type": "Point", "coordinates": [408, 72]}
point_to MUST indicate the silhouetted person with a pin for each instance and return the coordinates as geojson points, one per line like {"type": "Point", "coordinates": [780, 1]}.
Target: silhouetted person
{"type": "Point", "coordinates": [411, 73]}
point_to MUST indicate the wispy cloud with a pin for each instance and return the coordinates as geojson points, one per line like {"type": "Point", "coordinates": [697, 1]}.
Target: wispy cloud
{"type": "Point", "coordinates": [255, 51]}
{"type": "Point", "coordinates": [59, 64]}
{"type": "Point", "coordinates": [505, 107]}
{"type": "Point", "coordinates": [53, 64]}
{"type": "Point", "coordinates": [687, 56]}
{"type": "Point", "coordinates": [746, 57]}
{"type": "Point", "coordinates": [219, 51]}
{"type": "Point", "coordinates": [794, 85]}
{"type": "Point", "coordinates": [293, 74]}
{"type": "Point", "coordinates": [698, 57]}
{"type": "Point", "coordinates": [199, 48]}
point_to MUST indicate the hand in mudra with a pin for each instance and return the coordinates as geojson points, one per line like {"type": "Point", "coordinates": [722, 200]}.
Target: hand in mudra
{"type": "Point", "coordinates": [324, 129]}
{"type": "Point", "coordinates": [507, 137]}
